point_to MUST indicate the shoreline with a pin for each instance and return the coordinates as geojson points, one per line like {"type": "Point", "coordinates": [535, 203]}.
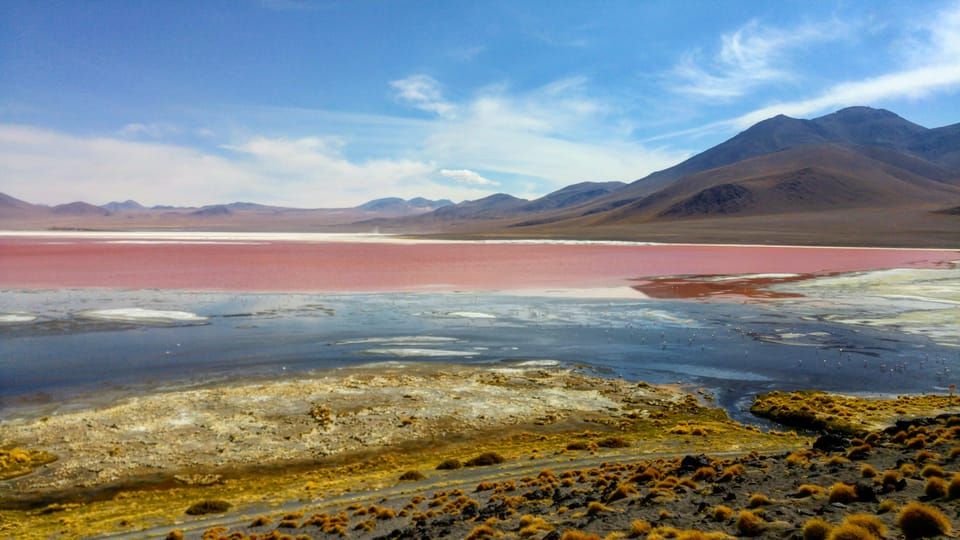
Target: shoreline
{"type": "Point", "coordinates": [408, 239]}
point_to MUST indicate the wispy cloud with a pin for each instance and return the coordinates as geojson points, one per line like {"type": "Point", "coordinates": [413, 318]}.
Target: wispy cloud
{"type": "Point", "coordinates": [466, 54]}
{"type": "Point", "coordinates": [423, 92]}
{"type": "Point", "coordinates": [557, 133]}
{"type": "Point", "coordinates": [752, 56]}
{"type": "Point", "coordinates": [931, 64]}
{"type": "Point", "coordinates": [468, 177]}
{"type": "Point", "coordinates": [153, 130]}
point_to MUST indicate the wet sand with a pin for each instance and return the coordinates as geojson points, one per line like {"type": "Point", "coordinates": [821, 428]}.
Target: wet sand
{"type": "Point", "coordinates": [370, 266]}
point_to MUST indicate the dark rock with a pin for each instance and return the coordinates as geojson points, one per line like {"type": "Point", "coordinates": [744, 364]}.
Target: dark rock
{"type": "Point", "coordinates": [692, 463]}
{"type": "Point", "coordinates": [830, 442]}
{"type": "Point", "coordinates": [865, 492]}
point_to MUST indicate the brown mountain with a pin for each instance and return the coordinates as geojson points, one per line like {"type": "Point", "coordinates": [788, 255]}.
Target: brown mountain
{"type": "Point", "coordinates": [857, 176]}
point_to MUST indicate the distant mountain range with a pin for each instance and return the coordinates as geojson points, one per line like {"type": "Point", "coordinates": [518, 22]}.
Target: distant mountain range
{"type": "Point", "coordinates": [857, 176]}
{"type": "Point", "coordinates": [130, 214]}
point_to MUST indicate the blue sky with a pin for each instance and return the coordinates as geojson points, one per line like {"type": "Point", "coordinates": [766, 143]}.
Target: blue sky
{"type": "Point", "coordinates": [332, 103]}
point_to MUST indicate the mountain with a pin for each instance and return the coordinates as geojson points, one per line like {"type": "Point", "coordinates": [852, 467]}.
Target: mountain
{"type": "Point", "coordinates": [124, 206]}
{"type": "Point", "coordinates": [79, 208]}
{"type": "Point", "coordinates": [234, 216]}
{"type": "Point", "coordinates": [8, 203]}
{"type": "Point", "coordinates": [572, 195]}
{"type": "Point", "coordinates": [499, 206]}
{"type": "Point", "coordinates": [862, 126]}
{"type": "Point", "coordinates": [810, 178]}
{"type": "Point", "coordinates": [855, 175]}
{"type": "Point", "coordinates": [396, 204]}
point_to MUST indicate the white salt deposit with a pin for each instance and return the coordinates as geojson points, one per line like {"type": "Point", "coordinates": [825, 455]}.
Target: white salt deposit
{"type": "Point", "coordinates": [142, 315]}
{"type": "Point", "coordinates": [412, 352]}
{"type": "Point", "coordinates": [14, 318]}
{"type": "Point", "coordinates": [471, 315]}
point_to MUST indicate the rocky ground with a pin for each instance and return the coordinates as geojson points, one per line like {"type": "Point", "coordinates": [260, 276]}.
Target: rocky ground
{"type": "Point", "coordinates": [870, 486]}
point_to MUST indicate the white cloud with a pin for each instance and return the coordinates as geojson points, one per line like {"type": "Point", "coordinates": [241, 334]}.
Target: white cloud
{"type": "Point", "coordinates": [423, 92]}
{"type": "Point", "coordinates": [53, 167]}
{"type": "Point", "coordinates": [751, 56]}
{"type": "Point", "coordinates": [557, 133]}
{"type": "Point", "coordinates": [931, 54]}
{"type": "Point", "coordinates": [153, 130]}
{"type": "Point", "coordinates": [468, 177]}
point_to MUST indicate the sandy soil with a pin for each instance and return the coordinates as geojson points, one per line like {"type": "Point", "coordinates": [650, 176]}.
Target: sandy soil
{"type": "Point", "coordinates": [308, 418]}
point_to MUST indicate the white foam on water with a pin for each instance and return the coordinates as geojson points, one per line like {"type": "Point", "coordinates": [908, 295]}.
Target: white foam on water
{"type": "Point", "coordinates": [412, 352]}
{"type": "Point", "coordinates": [141, 315]}
{"type": "Point", "coordinates": [538, 363]}
{"type": "Point", "coordinates": [15, 318]}
{"type": "Point", "coordinates": [399, 340]}
{"type": "Point", "coordinates": [471, 315]}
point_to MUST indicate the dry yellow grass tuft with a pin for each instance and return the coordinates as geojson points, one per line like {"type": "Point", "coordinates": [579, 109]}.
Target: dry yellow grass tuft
{"type": "Point", "coordinates": [886, 506]}
{"type": "Point", "coordinates": [953, 490]}
{"type": "Point", "coordinates": [935, 488]}
{"type": "Point", "coordinates": [749, 524]}
{"type": "Point", "coordinates": [816, 529]}
{"type": "Point", "coordinates": [578, 535]}
{"type": "Point", "coordinates": [638, 528]}
{"type": "Point", "coordinates": [808, 490]}
{"type": "Point", "coordinates": [722, 512]}
{"type": "Point", "coordinates": [843, 493]}
{"type": "Point", "coordinates": [849, 531]}
{"type": "Point", "coordinates": [918, 520]}
{"type": "Point", "coordinates": [872, 523]}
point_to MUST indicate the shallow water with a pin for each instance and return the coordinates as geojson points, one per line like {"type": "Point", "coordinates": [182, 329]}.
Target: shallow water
{"type": "Point", "coordinates": [734, 349]}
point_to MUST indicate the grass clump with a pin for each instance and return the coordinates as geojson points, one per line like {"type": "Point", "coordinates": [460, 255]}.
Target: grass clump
{"type": "Point", "coordinates": [412, 476]}
{"type": "Point", "coordinates": [953, 490]}
{"type": "Point", "coordinates": [808, 490]}
{"type": "Point", "coordinates": [578, 535]}
{"type": "Point", "coordinates": [638, 528]}
{"type": "Point", "coordinates": [485, 459]}
{"type": "Point", "coordinates": [918, 520]}
{"type": "Point", "coordinates": [731, 472]}
{"type": "Point", "coordinates": [816, 529]}
{"type": "Point", "coordinates": [704, 473]}
{"type": "Point", "coordinates": [482, 532]}
{"type": "Point", "coordinates": [935, 488]}
{"type": "Point", "coordinates": [871, 523]}
{"type": "Point", "coordinates": [532, 526]}
{"type": "Point", "coordinates": [623, 491]}
{"type": "Point", "coordinates": [722, 512]}
{"type": "Point", "coordinates": [449, 464]}
{"type": "Point", "coordinates": [868, 471]}
{"type": "Point", "coordinates": [886, 506]}
{"type": "Point", "coordinates": [932, 470]}
{"type": "Point", "coordinates": [843, 493]}
{"type": "Point", "coordinates": [208, 507]}
{"type": "Point", "coordinates": [581, 445]}
{"type": "Point", "coordinates": [759, 499]}
{"type": "Point", "coordinates": [749, 524]}
{"type": "Point", "coordinates": [849, 531]}
{"type": "Point", "coordinates": [595, 508]}
{"type": "Point", "coordinates": [613, 442]}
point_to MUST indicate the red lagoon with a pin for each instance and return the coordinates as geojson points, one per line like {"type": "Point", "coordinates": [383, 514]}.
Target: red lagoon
{"type": "Point", "coordinates": [388, 266]}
